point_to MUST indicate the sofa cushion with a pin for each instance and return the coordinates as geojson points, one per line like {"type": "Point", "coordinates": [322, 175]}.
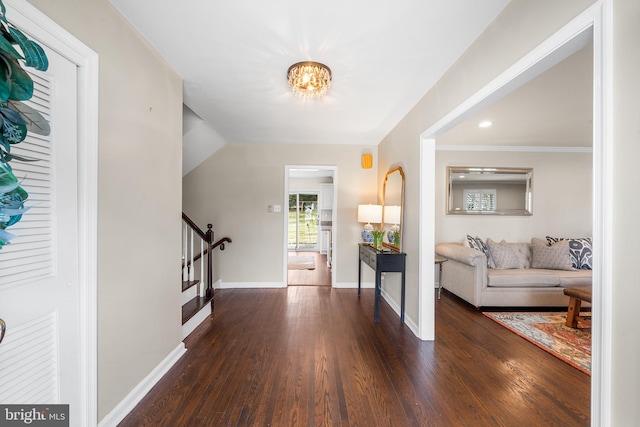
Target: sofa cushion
{"type": "Point", "coordinates": [509, 255]}
{"type": "Point", "coordinates": [569, 279]}
{"type": "Point", "coordinates": [579, 249]}
{"type": "Point", "coordinates": [522, 278]}
{"type": "Point", "coordinates": [554, 257]}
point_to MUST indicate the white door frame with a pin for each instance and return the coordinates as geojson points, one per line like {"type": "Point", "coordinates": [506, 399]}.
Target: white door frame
{"type": "Point", "coordinates": [594, 23]}
{"type": "Point", "coordinates": [334, 222]}
{"type": "Point", "coordinates": [46, 31]}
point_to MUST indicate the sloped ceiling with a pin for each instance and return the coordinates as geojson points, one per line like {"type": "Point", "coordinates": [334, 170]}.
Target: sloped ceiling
{"type": "Point", "coordinates": [234, 56]}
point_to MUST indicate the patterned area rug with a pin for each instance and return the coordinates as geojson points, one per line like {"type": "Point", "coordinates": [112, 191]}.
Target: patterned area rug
{"type": "Point", "coordinates": [548, 331]}
{"type": "Point", "coordinates": [298, 262]}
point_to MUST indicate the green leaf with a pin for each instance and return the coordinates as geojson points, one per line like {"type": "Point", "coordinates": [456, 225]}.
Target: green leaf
{"type": "Point", "coordinates": [21, 158]}
{"type": "Point", "coordinates": [34, 55]}
{"type": "Point", "coordinates": [5, 145]}
{"type": "Point", "coordinates": [7, 48]}
{"type": "Point", "coordinates": [5, 79]}
{"type": "Point", "coordinates": [35, 122]}
{"type": "Point", "coordinates": [43, 61]}
{"type": "Point", "coordinates": [21, 83]}
{"type": "Point", "coordinates": [13, 133]}
{"type": "Point", "coordinates": [8, 181]}
{"type": "Point", "coordinates": [12, 115]}
{"type": "Point", "coordinates": [4, 11]}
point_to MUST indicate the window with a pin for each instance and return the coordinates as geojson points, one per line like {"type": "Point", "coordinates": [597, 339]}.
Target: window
{"type": "Point", "coordinates": [480, 200]}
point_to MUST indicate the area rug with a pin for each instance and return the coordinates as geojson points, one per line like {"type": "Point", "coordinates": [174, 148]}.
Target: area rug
{"type": "Point", "coordinates": [301, 262]}
{"type": "Point", "coordinates": [548, 331]}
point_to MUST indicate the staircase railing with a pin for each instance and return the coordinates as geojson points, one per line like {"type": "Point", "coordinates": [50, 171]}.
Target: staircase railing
{"type": "Point", "coordinates": [198, 245]}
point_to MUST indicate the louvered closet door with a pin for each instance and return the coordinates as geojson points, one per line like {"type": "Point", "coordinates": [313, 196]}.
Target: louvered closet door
{"type": "Point", "coordinates": [39, 357]}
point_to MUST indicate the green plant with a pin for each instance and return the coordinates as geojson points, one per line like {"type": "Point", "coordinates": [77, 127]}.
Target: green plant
{"type": "Point", "coordinates": [16, 118]}
{"type": "Point", "coordinates": [378, 235]}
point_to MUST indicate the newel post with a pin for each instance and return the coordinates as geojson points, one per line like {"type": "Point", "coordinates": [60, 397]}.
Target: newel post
{"type": "Point", "coordinates": [210, 262]}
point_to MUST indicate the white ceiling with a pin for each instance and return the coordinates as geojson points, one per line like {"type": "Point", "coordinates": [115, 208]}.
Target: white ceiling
{"type": "Point", "coordinates": [553, 109]}
{"type": "Point", "coordinates": [234, 55]}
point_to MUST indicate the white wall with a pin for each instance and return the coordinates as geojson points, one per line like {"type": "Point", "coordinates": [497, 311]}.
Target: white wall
{"type": "Point", "coordinates": [139, 179]}
{"type": "Point", "coordinates": [561, 197]}
{"type": "Point", "coordinates": [232, 188]}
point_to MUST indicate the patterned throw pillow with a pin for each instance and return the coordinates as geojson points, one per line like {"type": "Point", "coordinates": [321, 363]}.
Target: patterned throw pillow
{"type": "Point", "coordinates": [579, 249]}
{"type": "Point", "coordinates": [477, 244]}
{"type": "Point", "coordinates": [554, 257]}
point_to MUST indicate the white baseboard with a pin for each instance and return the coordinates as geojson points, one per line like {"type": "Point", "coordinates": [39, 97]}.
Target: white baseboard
{"type": "Point", "coordinates": [354, 285]}
{"type": "Point", "coordinates": [249, 285]}
{"type": "Point", "coordinates": [395, 307]}
{"type": "Point", "coordinates": [113, 418]}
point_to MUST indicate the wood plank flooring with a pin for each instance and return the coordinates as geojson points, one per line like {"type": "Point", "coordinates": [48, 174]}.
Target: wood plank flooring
{"type": "Point", "coordinates": [312, 356]}
{"type": "Point", "coordinates": [320, 276]}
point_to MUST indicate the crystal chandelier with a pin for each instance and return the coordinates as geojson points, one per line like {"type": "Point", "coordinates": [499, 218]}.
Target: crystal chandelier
{"type": "Point", "coordinates": [309, 79]}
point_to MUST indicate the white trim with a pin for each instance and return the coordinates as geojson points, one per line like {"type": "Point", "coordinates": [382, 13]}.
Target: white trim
{"type": "Point", "coordinates": [395, 307]}
{"type": "Point", "coordinates": [596, 24]}
{"type": "Point", "coordinates": [602, 205]}
{"type": "Point", "coordinates": [514, 148]}
{"type": "Point", "coordinates": [134, 397]}
{"type": "Point", "coordinates": [354, 285]}
{"type": "Point", "coordinates": [40, 26]}
{"type": "Point", "coordinates": [196, 320]}
{"type": "Point", "coordinates": [250, 285]}
{"type": "Point", "coordinates": [334, 220]}
{"type": "Point", "coordinates": [426, 232]}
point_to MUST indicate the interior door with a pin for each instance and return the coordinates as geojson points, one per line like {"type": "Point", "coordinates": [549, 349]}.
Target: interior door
{"type": "Point", "coordinates": [39, 274]}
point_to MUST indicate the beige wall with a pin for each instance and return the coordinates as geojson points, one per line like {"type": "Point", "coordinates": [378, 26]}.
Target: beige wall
{"type": "Point", "coordinates": [625, 285]}
{"type": "Point", "coordinates": [140, 120]}
{"type": "Point", "coordinates": [561, 197]}
{"type": "Point", "coordinates": [232, 189]}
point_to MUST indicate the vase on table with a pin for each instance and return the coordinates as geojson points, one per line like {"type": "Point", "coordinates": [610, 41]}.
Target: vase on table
{"type": "Point", "coordinates": [377, 238]}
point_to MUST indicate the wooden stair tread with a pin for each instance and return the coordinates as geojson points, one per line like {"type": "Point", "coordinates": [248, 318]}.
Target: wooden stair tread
{"type": "Point", "coordinates": [192, 307]}
{"type": "Point", "coordinates": [188, 284]}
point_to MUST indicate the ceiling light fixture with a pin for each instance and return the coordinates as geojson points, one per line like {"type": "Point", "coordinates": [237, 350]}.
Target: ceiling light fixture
{"type": "Point", "coordinates": [309, 79]}
{"type": "Point", "coordinates": [485, 124]}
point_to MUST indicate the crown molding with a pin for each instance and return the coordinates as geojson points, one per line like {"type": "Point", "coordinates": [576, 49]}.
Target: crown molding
{"type": "Point", "coordinates": [514, 148]}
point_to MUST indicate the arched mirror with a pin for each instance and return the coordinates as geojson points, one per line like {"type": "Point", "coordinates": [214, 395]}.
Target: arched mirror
{"type": "Point", "coordinates": [393, 210]}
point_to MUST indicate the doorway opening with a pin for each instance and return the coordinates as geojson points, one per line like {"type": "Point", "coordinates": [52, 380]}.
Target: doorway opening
{"type": "Point", "coordinates": [589, 26]}
{"type": "Point", "coordinates": [309, 225]}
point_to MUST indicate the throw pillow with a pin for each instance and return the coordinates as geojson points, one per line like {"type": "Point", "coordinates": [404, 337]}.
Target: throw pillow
{"type": "Point", "coordinates": [579, 249]}
{"type": "Point", "coordinates": [552, 257]}
{"type": "Point", "coordinates": [504, 256]}
{"type": "Point", "coordinates": [477, 244]}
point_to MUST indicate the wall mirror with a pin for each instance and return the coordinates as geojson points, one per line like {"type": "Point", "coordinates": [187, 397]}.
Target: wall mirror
{"type": "Point", "coordinates": [489, 191]}
{"type": "Point", "coordinates": [393, 207]}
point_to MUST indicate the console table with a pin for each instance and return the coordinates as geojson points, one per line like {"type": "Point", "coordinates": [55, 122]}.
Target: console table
{"type": "Point", "coordinates": [382, 261]}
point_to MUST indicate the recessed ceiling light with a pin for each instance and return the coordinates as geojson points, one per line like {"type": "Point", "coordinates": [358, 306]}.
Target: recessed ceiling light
{"type": "Point", "coordinates": [485, 124]}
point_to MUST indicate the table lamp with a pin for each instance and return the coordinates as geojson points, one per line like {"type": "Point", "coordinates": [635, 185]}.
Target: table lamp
{"type": "Point", "coordinates": [369, 214]}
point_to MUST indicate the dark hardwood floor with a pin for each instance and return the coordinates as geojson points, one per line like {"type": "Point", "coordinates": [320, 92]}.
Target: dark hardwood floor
{"type": "Point", "coordinates": [319, 276]}
{"type": "Point", "coordinates": [312, 356]}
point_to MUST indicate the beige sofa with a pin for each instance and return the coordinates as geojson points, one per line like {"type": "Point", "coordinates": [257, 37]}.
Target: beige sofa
{"type": "Point", "coordinates": [466, 275]}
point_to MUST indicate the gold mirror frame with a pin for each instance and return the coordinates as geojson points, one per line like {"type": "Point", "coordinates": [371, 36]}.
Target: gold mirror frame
{"type": "Point", "coordinates": [511, 188]}
{"type": "Point", "coordinates": [393, 195]}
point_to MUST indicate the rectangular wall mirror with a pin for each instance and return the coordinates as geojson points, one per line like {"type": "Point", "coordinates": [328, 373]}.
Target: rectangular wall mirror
{"type": "Point", "coordinates": [489, 191]}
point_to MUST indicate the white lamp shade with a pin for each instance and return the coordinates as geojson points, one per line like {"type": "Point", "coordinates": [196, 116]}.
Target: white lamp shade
{"type": "Point", "coordinates": [370, 213]}
{"type": "Point", "coordinates": [392, 214]}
